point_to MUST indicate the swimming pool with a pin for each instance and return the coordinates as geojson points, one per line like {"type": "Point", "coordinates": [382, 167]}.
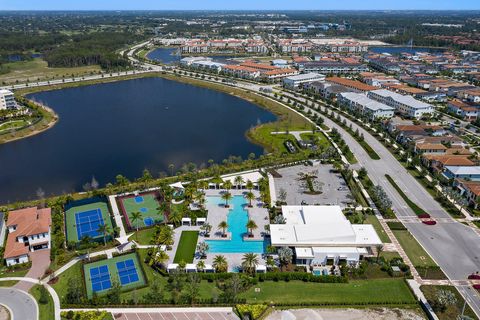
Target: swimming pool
{"type": "Point", "coordinates": [237, 219]}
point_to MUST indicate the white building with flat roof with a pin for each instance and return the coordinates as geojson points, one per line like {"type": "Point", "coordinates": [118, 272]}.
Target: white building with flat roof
{"type": "Point", "coordinates": [406, 105]}
{"type": "Point", "coordinates": [294, 82]}
{"type": "Point", "coordinates": [322, 235]}
{"type": "Point", "coordinates": [7, 100]}
{"type": "Point", "coordinates": [359, 102]}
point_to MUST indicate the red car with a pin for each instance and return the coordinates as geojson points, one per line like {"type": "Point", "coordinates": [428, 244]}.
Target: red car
{"type": "Point", "coordinates": [429, 222]}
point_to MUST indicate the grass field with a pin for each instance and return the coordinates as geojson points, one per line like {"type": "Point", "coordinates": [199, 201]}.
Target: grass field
{"type": "Point", "coordinates": [144, 236]}
{"type": "Point", "coordinates": [14, 124]}
{"type": "Point", "coordinates": [70, 221]}
{"type": "Point", "coordinates": [412, 248]}
{"type": "Point", "coordinates": [186, 247]}
{"type": "Point", "coordinates": [46, 310]}
{"type": "Point", "coordinates": [114, 276]}
{"type": "Point", "coordinates": [38, 69]}
{"type": "Point", "coordinates": [148, 208]}
{"type": "Point", "coordinates": [371, 219]}
{"type": "Point", "coordinates": [381, 291]}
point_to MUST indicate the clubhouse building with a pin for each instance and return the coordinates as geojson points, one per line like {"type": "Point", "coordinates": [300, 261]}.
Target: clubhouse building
{"type": "Point", "coordinates": [28, 231]}
{"type": "Point", "coordinates": [322, 235]}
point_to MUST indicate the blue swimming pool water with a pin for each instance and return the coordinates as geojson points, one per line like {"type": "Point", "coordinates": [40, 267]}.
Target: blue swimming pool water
{"type": "Point", "coordinates": [237, 219]}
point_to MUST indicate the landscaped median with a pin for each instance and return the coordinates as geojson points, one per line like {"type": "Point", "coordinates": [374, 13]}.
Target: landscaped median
{"type": "Point", "coordinates": [418, 211]}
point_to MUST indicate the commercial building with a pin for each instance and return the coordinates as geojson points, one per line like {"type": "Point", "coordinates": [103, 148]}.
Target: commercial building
{"type": "Point", "coordinates": [7, 100]}
{"type": "Point", "coordinates": [295, 81]}
{"type": "Point", "coordinates": [352, 85]}
{"type": "Point", "coordinates": [359, 102]}
{"type": "Point", "coordinates": [405, 105]}
{"type": "Point", "coordinates": [322, 235]}
{"type": "Point", "coordinates": [28, 231]}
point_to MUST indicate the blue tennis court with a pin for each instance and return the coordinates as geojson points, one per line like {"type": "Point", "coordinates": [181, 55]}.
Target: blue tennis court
{"type": "Point", "coordinates": [127, 272]}
{"type": "Point", "coordinates": [143, 210]}
{"type": "Point", "coordinates": [100, 278]}
{"type": "Point", "coordinates": [87, 223]}
{"type": "Point", "coordinates": [148, 221]}
{"type": "Point", "coordinates": [138, 199]}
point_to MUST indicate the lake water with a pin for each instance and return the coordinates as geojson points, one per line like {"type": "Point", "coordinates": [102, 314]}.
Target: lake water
{"type": "Point", "coordinates": [398, 50]}
{"type": "Point", "coordinates": [122, 128]}
{"type": "Point", "coordinates": [169, 56]}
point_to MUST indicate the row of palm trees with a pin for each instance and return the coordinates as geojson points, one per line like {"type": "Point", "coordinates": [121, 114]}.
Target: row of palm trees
{"type": "Point", "coordinates": [250, 261]}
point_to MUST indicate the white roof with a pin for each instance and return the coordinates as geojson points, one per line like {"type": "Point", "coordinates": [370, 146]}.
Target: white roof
{"type": "Point", "coordinates": [303, 253]}
{"type": "Point", "coordinates": [5, 92]}
{"type": "Point", "coordinates": [404, 99]}
{"type": "Point", "coordinates": [186, 219]}
{"type": "Point", "coordinates": [306, 76]}
{"type": "Point", "coordinates": [252, 176]}
{"type": "Point", "coordinates": [365, 101]}
{"type": "Point", "coordinates": [172, 266]}
{"type": "Point", "coordinates": [261, 267]}
{"type": "Point", "coordinates": [462, 170]}
{"type": "Point", "coordinates": [320, 226]}
{"type": "Point", "coordinates": [191, 266]}
{"type": "Point", "coordinates": [208, 267]}
{"type": "Point", "coordinates": [201, 219]}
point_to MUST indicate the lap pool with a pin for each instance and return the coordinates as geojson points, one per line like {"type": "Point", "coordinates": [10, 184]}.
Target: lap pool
{"type": "Point", "coordinates": [237, 219]}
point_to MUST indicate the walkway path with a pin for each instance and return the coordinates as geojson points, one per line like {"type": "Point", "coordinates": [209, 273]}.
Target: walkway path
{"type": "Point", "coordinates": [117, 216]}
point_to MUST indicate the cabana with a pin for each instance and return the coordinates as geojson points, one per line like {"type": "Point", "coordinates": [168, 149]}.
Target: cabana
{"type": "Point", "coordinates": [191, 268]}
{"type": "Point", "coordinates": [261, 269]}
{"type": "Point", "coordinates": [186, 222]}
{"type": "Point", "coordinates": [173, 267]}
{"type": "Point", "coordinates": [201, 221]}
{"type": "Point", "coordinates": [208, 269]}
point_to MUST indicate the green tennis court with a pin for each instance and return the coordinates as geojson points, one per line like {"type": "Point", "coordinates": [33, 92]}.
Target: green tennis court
{"type": "Point", "coordinates": [84, 220]}
{"type": "Point", "coordinates": [124, 270]}
{"type": "Point", "coordinates": [146, 204]}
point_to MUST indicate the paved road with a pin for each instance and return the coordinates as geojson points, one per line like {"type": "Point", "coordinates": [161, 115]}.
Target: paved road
{"type": "Point", "coordinates": [22, 305]}
{"type": "Point", "coordinates": [454, 246]}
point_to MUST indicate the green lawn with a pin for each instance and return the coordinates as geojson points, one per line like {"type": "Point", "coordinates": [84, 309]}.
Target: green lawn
{"type": "Point", "coordinates": [144, 236]}
{"type": "Point", "coordinates": [46, 311]}
{"type": "Point", "coordinates": [371, 219]}
{"type": "Point", "coordinates": [61, 286]}
{"type": "Point", "coordinates": [14, 124]}
{"type": "Point", "coordinates": [452, 311]}
{"type": "Point", "coordinates": [38, 69]}
{"type": "Point", "coordinates": [381, 291]}
{"type": "Point", "coordinates": [413, 249]}
{"type": "Point", "coordinates": [186, 247]}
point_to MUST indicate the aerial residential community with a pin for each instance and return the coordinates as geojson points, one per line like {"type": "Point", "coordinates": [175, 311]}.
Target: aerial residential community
{"type": "Point", "coordinates": [226, 161]}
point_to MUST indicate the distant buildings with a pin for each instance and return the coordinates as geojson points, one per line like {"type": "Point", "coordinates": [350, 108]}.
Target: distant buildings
{"type": "Point", "coordinates": [28, 231]}
{"type": "Point", "coordinates": [322, 235]}
{"type": "Point", "coordinates": [7, 100]}
{"type": "Point", "coordinates": [332, 67]}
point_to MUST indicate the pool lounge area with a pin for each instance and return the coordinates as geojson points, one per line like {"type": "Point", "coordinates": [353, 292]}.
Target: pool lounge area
{"type": "Point", "coordinates": [237, 219]}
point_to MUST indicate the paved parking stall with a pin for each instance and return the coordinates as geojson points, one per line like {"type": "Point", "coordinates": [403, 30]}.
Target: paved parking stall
{"type": "Point", "coordinates": [177, 316]}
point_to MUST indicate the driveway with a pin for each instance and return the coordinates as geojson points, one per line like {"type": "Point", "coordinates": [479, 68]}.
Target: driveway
{"type": "Point", "coordinates": [40, 262]}
{"type": "Point", "coordinates": [21, 304]}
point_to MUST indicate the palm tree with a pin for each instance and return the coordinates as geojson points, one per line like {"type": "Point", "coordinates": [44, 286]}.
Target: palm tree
{"type": "Point", "coordinates": [207, 227]}
{"type": "Point", "coordinates": [250, 196]}
{"type": "Point", "coordinates": [249, 185]}
{"type": "Point", "coordinates": [159, 258]}
{"type": "Point", "coordinates": [226, 196]}
{"type": "Point", "coordinates": [285, 255]}
{"type": "Point", "coordinates": [202, 249]}
{"type": "Point", "coordinates": [135, 218]}
{"type": "Point", "coordinates": [251, 225]}
{"type": "Point", "coordinates": [239, 181]}
{"type": "Point", "coordinates": [227, 185]}
{"type": "Point", "coordinates": [220, 263]}
{"type": "Point", "coordinates": [249, 262]}
{"type": "Point", "coordinates": [175, 218]}
{"type": "Point", "coordinates": [223, 225]}
{"type": "Point", "coordinates": [104, 229]}
{"type": "Point", "coordinates": [201, 265]}
{"type": "Point", "coordinates": [203, 184]}
{"type": "Point", "coordinates": [165, 236]}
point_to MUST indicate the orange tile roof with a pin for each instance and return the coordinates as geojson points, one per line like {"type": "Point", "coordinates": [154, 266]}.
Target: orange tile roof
{"type": "Point", "coordinates": [28, 221]}
{"type": "Point", "coordinates": [450, 160]}
{"type": "Point", "coordinates": [430, 146]}
{"type": "Point", "coordinates": [351, 83]}
{"type": "Point", "coordinates": [473, 186]}
{"type": "Point", "coordinates": [260, 66]}
{"type": "Point", "coordinates": [239, 68]}
{"type": "Point", "coordinates": [280, 71]}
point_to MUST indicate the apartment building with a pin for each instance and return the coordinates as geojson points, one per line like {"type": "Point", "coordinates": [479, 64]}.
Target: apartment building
{"type": "Point", "coordinates": [294, 82]}
{"type": "Point", "coordinates": [406, 105]}
{"type": "Point", "coordinates": [7, 100]}
{"type": "Point", "coordinates": [359, 102]}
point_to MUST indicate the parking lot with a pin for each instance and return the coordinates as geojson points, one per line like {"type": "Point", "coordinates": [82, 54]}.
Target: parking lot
{"type": "Point", "coordinates": [176, 316]}
{"type": "Point", "coordinates": [334, 190]}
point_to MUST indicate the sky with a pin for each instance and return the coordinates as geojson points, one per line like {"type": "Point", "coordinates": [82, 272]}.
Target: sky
{"type": "Point", "coordinates": [239, 5]}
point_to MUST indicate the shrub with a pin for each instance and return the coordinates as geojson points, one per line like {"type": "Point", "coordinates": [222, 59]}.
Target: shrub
{"type": "Point", "coordinates": [252, 310]}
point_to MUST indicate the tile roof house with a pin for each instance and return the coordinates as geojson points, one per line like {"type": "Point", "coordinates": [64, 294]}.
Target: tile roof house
{"type": "Point", "coordinates": [28, 230]}
{"type": "Point", "coordinates": [438, 162]}
{"type": "Point", "coordinates": [470, 190]}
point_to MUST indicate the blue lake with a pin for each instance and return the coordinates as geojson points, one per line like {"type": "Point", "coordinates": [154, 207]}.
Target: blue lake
{"type": "Point", "coordinates": [122, 128]}
{"type": "Point", "coordinates": [398, 50]}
